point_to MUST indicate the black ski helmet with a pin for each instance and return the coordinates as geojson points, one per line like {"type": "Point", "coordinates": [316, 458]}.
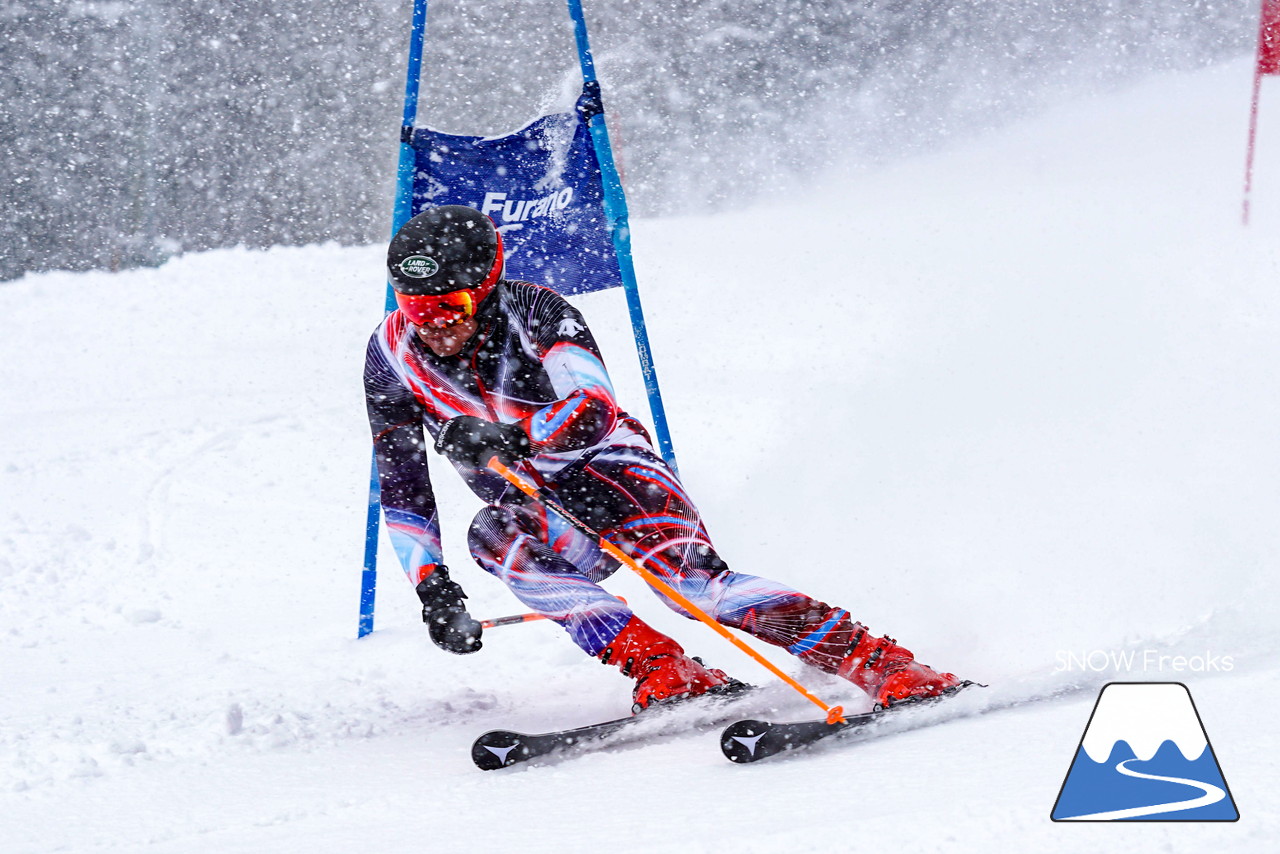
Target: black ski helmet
{"type": "Point", "coordinates": [445, 249]}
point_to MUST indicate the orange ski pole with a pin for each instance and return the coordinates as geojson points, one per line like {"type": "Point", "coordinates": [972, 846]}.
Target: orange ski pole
{"type": "Point", "coordinates": [511, 621]}
{"type": "Point", "coordinates": [516, 619]}
{"type": "Point", "coordinates": [835, 714]}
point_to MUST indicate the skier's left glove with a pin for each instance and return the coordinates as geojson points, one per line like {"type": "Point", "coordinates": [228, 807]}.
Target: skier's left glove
{"type": "Point", "coordinates": [471, 441]}
{"type": "Point", "coordinates": [450, 626]}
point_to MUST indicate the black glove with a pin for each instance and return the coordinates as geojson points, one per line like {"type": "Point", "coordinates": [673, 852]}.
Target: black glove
{"type": "Point", "coordinates": [471, 441]}
{"type": "Point", "coordinates": [450, 626]}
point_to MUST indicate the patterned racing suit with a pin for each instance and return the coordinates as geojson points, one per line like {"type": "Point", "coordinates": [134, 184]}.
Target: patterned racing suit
{"type": "Point", "coordinates": [533, 362]}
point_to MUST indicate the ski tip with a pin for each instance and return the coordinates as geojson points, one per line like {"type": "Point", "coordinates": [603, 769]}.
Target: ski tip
{"type": "Point", "coordinates": [498, 749]}
{"type": "Point", "coordinates": [740, 741]}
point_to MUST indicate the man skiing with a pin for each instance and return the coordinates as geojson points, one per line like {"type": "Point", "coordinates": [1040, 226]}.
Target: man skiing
{"type": "Point", "coordinates": [491, 366]}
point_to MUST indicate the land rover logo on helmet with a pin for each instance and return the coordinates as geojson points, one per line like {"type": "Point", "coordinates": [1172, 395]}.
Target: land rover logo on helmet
{"type": "Point", "coordinates": [419, 267]}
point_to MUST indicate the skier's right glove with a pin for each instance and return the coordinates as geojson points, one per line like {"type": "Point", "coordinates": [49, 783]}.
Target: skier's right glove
{"type": "Point", "coordinates": [450, 626]}
{"type": "Point", "coordinates": [471, 441]}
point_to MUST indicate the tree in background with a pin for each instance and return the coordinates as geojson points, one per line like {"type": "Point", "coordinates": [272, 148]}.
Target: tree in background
{"type": "Point", "coordinates": [134, 130]}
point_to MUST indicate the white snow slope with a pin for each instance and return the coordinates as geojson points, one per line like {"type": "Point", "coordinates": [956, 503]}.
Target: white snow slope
{"type": "Point", "coordinates": [1006, 402]}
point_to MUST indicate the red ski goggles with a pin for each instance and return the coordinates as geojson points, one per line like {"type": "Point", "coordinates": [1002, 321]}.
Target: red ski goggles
{"type": "Point", "coordinates": [441, 311]}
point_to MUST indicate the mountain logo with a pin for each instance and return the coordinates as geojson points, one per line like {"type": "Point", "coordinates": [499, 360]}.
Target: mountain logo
{"type": "Point", "coordinates": [1145, 756]}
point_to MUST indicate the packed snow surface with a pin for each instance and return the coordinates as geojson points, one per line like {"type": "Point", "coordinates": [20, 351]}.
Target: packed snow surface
{"type": "Point", "coordinates": [1014, 403]}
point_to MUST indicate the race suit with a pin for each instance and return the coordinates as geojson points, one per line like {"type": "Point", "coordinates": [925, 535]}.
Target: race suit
{"type": "Point", "coordinates": [533, 362]}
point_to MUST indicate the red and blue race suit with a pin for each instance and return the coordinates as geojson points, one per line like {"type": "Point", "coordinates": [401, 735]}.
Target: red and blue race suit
{"type": "Point", "coordinates": [533, 362]}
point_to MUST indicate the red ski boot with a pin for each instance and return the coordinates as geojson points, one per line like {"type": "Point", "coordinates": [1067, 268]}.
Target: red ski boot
{"type": "Point", "coordinates": [661, 669]}
{"type": "Point", "coordinates": [829, 639]}
{"type": "Point", "coordinates": [890, 673]}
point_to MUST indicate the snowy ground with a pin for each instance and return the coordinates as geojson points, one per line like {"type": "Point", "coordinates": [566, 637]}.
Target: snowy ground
{"type": "Point", "coordinates": [1045, 422]}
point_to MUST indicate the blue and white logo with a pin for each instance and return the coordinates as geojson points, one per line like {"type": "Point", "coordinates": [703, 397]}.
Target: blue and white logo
{"type": "Point", "coordinates": [1145, 757]}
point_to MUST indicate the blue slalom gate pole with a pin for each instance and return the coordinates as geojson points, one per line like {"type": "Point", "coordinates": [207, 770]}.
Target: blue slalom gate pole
{"type": "Point", "coordinates": [615, 211]}
{"type": "Point", "coordinates": [404, 205]}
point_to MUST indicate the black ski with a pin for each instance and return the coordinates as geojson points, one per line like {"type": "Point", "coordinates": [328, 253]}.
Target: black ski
{"type": "Point", "coordinates": [751, 740]}
{"type": "Point", "coordinates": [502, 748]}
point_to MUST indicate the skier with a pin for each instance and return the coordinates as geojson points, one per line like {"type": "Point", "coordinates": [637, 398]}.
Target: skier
{"type": "Point", "coordinates": [491, 366]}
